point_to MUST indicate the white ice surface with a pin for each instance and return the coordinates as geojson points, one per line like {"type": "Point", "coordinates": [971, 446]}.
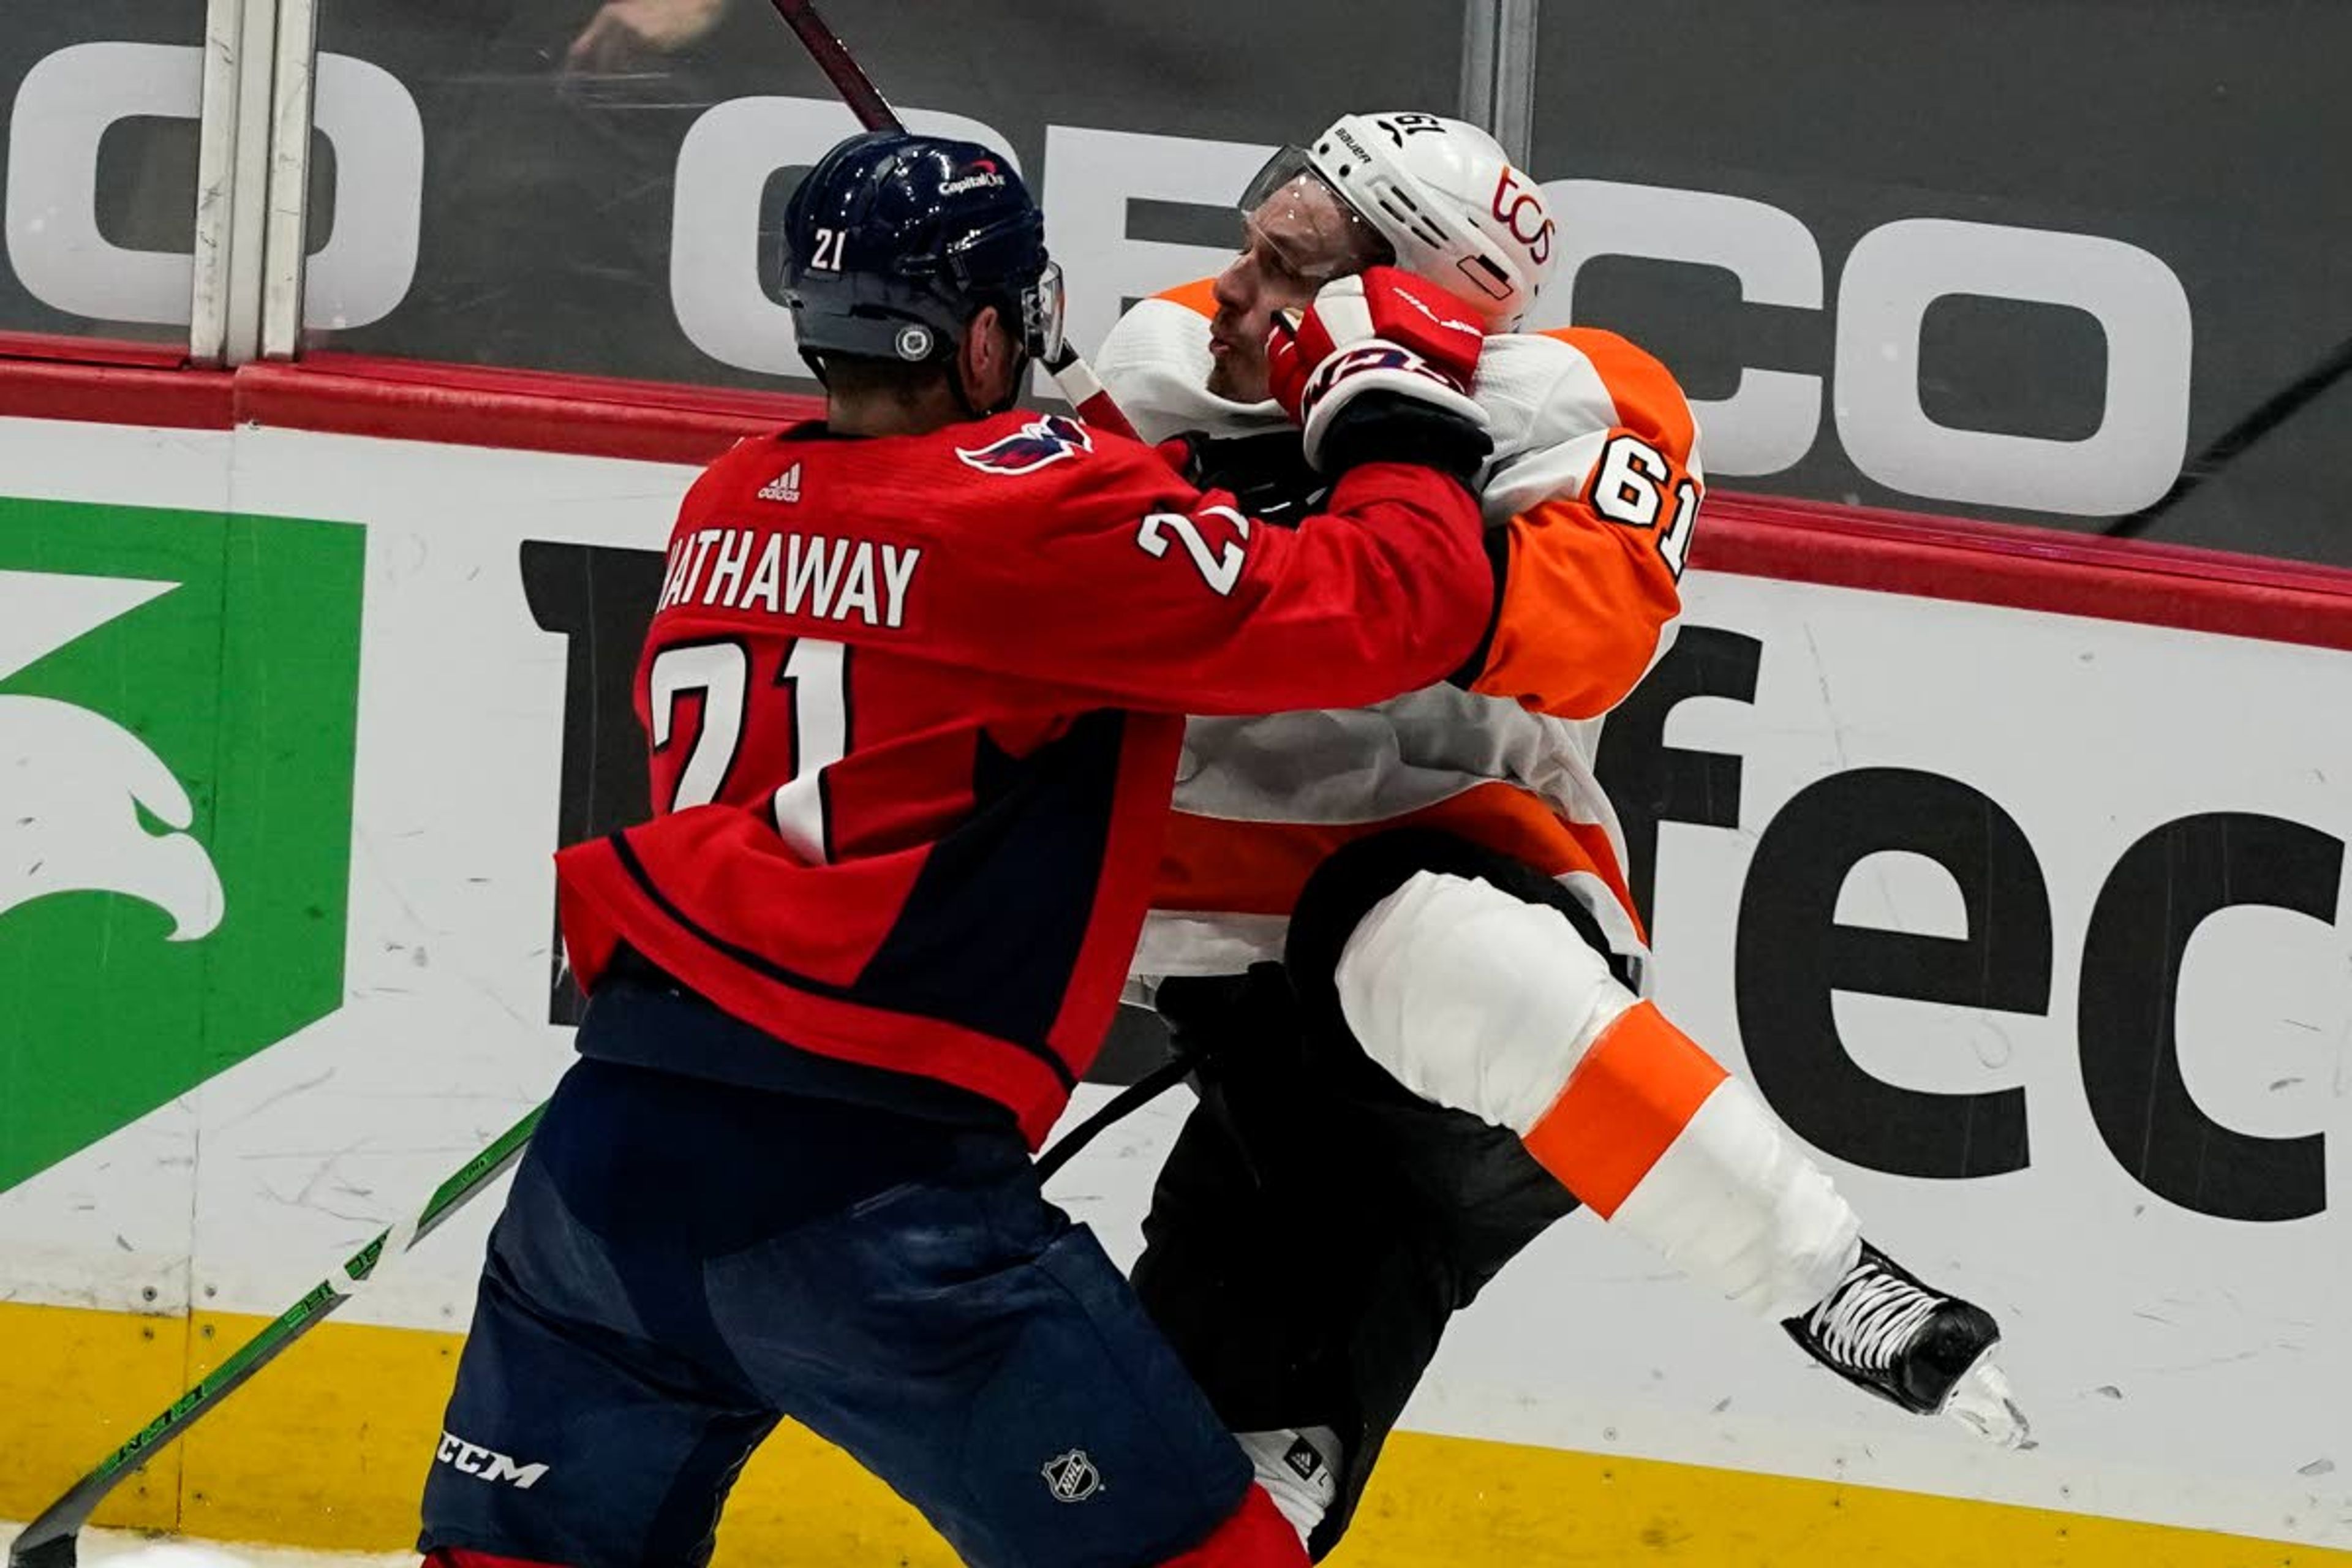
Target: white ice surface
{"type": "Point", "coordinates": [123, 1549]}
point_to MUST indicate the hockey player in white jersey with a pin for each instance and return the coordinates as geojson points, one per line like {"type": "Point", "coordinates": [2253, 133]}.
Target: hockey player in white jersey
{"type": "Point", "coordinates": [1400, 937]}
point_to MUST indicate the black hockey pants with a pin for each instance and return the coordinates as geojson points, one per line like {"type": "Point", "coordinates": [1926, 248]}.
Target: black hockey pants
{"type": "Point", "coordinates": [1316, 1224]}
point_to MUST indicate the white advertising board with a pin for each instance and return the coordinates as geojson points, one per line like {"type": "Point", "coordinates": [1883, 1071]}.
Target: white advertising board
{"type": "Point", "coordinates": [2073, 828]}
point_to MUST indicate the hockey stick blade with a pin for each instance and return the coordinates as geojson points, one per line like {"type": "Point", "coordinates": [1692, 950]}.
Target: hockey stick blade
{"type": "Point", "coordinates": [50, 1542]}
{"type": "Point", "coordinates": [1072, 374]}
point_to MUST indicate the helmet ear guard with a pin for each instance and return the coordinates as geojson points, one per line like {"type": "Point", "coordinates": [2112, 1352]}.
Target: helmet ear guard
{"type": "Point", "coordinates": [1477, 276]}
{"type": "Point", "coordinates": [981, 264]}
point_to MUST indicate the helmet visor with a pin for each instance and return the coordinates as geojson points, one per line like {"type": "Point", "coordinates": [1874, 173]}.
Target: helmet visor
{"type": "Point", "coordinates": [1304, 221]}
{"type": "Point", "coordinates": [1042, 308]}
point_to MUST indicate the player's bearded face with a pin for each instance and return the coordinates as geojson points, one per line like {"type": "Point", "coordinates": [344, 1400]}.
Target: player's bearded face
{"type": "Point", "coordinates": [1293, 242]}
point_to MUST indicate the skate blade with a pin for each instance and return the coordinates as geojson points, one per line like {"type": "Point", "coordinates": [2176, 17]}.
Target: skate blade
{"type": "Point", "coordinates": [1981, 1401]}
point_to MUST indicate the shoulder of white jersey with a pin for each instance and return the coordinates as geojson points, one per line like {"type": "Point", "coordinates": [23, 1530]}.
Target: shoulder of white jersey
{"type": "Point", "coordinates": [1552, 398]}
{"type": "Point", "coordinates": [1155, 364]}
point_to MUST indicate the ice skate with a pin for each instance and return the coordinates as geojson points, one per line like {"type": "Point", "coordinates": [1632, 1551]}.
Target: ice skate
{"type": "Point", "coordinates": [1931, 1353]}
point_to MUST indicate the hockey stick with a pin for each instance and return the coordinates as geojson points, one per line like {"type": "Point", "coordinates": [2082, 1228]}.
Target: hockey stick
{"type": "Point", "coordinates": [1070, 372]}
{"type": "Point", "coordinates": [1133, 1098]}
{"type": "Point", "coordinates": [50, 1541]}
{"type": "Point", "coordinates": [2274, 411]}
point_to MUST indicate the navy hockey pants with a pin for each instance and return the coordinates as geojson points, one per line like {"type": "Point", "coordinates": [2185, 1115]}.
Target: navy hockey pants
{"type": "Point", "coordinates": [681, 1263]}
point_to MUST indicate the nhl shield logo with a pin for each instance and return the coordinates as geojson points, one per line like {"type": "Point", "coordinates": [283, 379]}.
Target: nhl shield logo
{"type": "Point", "coordinates": [1072, 1478]}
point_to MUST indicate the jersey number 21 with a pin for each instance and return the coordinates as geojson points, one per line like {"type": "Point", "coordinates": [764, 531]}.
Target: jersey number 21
{"type": "Point", "coordinates": [816, 672]}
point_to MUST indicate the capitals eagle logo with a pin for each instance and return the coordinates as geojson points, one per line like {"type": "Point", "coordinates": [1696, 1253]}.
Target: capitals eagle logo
{"type": "Point", "coordinates": [1041, 441]}
{"type": "Point", "coordinates": [78, 790]}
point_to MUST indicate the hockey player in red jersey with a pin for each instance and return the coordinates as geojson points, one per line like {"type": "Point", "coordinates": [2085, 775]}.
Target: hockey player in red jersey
{"type": "Point", "coordinates": [1456, 1048]}
{"type": "Point", "coordinates": [913, 691]}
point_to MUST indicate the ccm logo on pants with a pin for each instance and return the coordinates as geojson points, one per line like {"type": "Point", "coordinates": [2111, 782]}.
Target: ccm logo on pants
{"type": "Point", "coordinates": [468, 1459]}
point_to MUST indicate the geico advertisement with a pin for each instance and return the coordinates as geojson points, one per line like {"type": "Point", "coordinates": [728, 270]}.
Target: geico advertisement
{"type": "Point", "coordinates": [1979, 886]}
{"type": "Point", "coordinates": [2102, 436]}
{"type": "Point", "coordinates": [2032, 925]}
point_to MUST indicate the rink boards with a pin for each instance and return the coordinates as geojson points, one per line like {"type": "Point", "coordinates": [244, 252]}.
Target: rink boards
{"type": "Point", "coordinates": [2015, 879]}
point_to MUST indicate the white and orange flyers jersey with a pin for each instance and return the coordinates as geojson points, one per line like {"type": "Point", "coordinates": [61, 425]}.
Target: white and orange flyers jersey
{"type": "Point", "coordinates": [1589, 500]}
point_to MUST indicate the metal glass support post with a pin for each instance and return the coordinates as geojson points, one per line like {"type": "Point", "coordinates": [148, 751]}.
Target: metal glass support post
{"type": "Point", "coordinates": [248, 191]}
{"type": "Point", "coordinates": [215, 181]}
{"type": "Point", "coordinates": [286, 231]}
{"type": "Point", "coordinates": [1498, 71]}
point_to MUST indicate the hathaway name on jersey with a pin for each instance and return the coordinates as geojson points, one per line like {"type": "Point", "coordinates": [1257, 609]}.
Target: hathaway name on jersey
{"type": "Point", "coordinates": [794, 574]}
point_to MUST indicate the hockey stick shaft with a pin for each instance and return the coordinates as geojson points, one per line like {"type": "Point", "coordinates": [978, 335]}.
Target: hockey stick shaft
{"type": "Point", "coordinates": [1070, 372]}
{"type": "Point", "coordinates": [841, 69]}
{"type": "Point", "coordinates": [1131, 1098]}
{"type": "Point", "coordinates": [50, 1541]}
{"type": "Point", "coordinates": [2281, 406]}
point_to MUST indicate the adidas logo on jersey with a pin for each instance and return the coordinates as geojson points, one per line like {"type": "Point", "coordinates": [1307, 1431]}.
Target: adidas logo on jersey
{"type": "Point", "coordinates": [784, 486]}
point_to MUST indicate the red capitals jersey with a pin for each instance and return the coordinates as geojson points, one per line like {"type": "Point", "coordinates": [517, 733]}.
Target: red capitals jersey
{"type": "Point", "coordinates": [914, 705]}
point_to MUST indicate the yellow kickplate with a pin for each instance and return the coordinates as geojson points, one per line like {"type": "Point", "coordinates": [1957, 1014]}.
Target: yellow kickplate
{"type": "Point", "coordinates": [1456, 1501]}
{"type": "Point", "coordinates": [328, 1448]}
{"type": "Point", "coordinates": [74, 1386]}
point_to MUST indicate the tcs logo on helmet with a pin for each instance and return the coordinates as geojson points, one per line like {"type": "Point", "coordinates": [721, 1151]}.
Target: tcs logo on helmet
{"type": "Point", "coordinates": [1519, 206]}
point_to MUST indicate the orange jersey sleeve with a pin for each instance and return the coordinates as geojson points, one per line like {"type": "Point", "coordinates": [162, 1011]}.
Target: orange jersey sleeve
{"type": "Point", "coordinates": [1589, 557]}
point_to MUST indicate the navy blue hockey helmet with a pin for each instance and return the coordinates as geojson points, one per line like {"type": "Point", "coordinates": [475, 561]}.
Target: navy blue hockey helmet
{"type": "Point", "coordinates": [894, 242]}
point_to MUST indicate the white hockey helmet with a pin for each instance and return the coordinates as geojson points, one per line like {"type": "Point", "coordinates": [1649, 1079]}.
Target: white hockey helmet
{"type": "Point", "coordinates": [1445, 197]}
